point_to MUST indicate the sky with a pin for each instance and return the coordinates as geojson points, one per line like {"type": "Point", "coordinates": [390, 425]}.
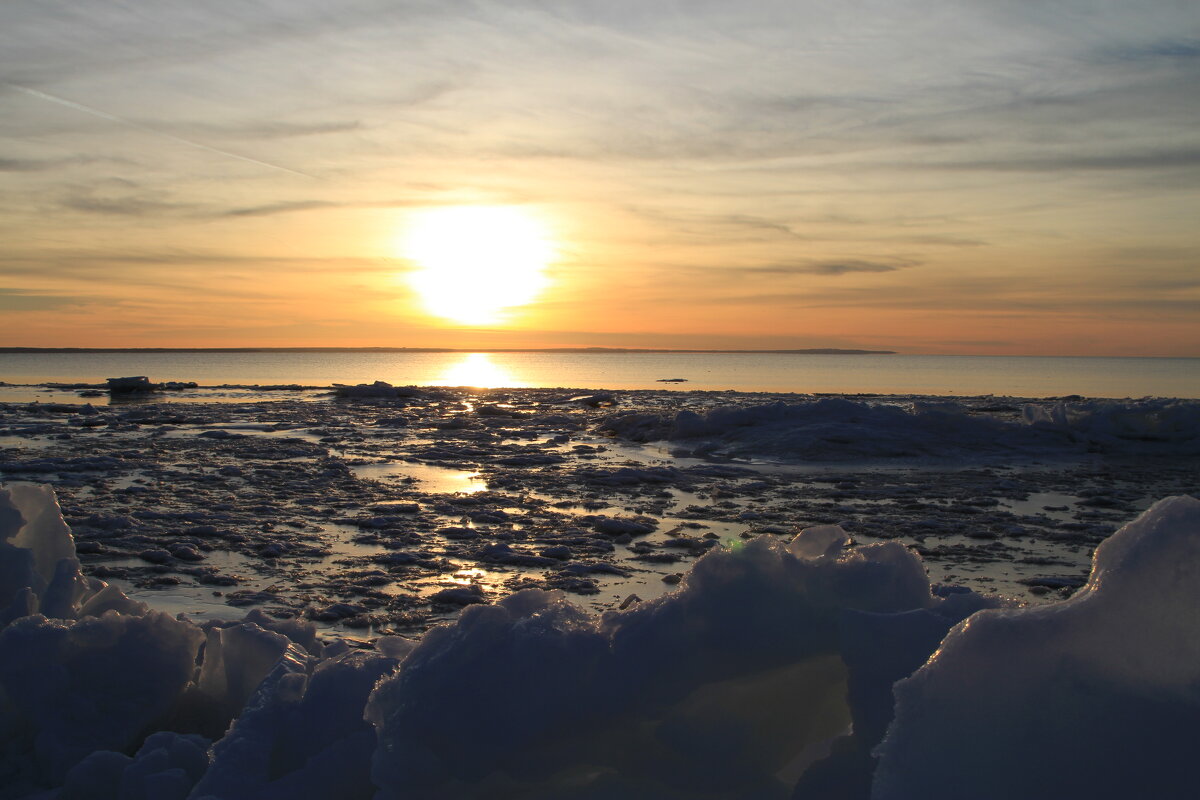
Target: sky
{"type": "Point", "coordinates": [977, 177]}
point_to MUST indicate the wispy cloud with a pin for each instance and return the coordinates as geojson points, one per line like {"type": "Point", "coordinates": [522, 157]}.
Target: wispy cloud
{"type": "Point", "coordinates": [279, 208]}
{"type": "Point", "coordinates": [267, 129]}
{"type": "Point", "coordinates": [36, 300]}
{"type": "Point", "coordinates": [832, 267]}
{"type": "Point", "coordinates": [1164, 159]}
{"type": "Point", "coordinates": [123, 206]}
{"type": "Point", "coordinates": [39, 164]}
{"type": "Point", "coordinates": [86, 109]}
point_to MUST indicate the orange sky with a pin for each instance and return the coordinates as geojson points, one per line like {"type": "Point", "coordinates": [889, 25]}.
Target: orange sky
{"type": "Point", "coordinates": [965, 178]}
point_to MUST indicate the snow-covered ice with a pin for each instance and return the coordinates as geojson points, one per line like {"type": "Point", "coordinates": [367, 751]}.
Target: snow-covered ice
{"type": "Point", "coordinates": [1095, 696]}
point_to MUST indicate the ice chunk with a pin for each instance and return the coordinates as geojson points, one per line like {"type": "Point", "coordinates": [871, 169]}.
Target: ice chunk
{"type": "Point", "coordinates": [1157, 425]}
{"type": "Point", "coordinates": [302, 738]}
{"type": "Point", "coordinates": [110, 598]}
{"type": "Point", "coordinates": [381, 389]}
{"type": "Point", "coordinates": [93, 684]}
{"type": "Point", "coordinates": [166, 766]}
{"type": "Point", "coordinates": [236, 659]}
{"type": "Point", "coordinates": [131, 384]}
{"type": "Point", "coordinates": [712, 691]}
{"type": "Point", "coordinates": [879, 649]}
{"type": "Point", "coordinates": [300, 631]}
{"type": "Point", "coordinates": [44, 533]}
{"type": "Point", "coordinates": [242, 759]}
{"type": "Point", "coordinates": [38, 569]}
{"type": "Point", "coordinates": [1092, 697]}
{"type": "Point", "coordinates": [96, 777]}
{"type": "Point", "coordinates": [819, 541]}
{"type": "Point", "coordinates": [834, 429]}
{"type": "Point", "coordinates": [529, 666]}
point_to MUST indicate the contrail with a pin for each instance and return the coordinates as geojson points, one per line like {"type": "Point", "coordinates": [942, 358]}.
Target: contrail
{"type": "Point", "coordinates": [95, 112]}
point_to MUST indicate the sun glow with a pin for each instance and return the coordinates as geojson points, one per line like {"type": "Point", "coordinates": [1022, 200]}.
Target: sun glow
{"type": "Point", "coordinates": [477, 262]}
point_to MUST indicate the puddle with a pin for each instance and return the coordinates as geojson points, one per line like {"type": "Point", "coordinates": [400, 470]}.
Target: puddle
{"type": "Point", "coordinates": [428, 477]}
{"type": "Point", "coordinates": [647, 584]}
{"type": "Point", "coordinates": [340, 538]}
{"type": "Point", "coordinates": [1048, 504]}
{"type": "Point", "coordinates": [183, 600]}
{"type": "Point", "coordinates": [243, 429]}
{"type": "Point", "coordinates": [466, 574]}
{"type": "Point", "coordinates": [23, 443]}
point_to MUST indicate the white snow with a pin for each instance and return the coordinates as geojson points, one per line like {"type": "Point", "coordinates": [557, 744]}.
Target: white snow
{"type": "Point", "coordinates": [705, 692]}
{"type": "Point", "coordinates": [1093, 697]}
{"type": "Point", "coordinates": [768, 673]}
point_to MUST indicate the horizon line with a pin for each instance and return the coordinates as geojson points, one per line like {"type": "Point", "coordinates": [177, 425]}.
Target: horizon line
{"type": "Point", "coordinates": [799, 351]}
{"type": "Point", "coordinates": [568, 350]}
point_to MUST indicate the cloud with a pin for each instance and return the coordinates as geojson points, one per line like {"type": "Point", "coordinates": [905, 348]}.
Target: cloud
{"type": "Point", "coordinates": [267, 129]}
{"type": "Point", "coordinates": [129, 205]}
{"type": "Point", "coordinates": [726, 227]}
{"type": "Point", "coordinates": [842, 266]}
{"type": "Point", "coordinates": [146, 268]}
{"type": "Point", "coordinates": [985, 295]}
{"type": "Point", "coordinates": [279, 208]}
{"type": "Point", "coordinates": [34, 164]}
{"type": "Point", "coordinates": [1159, 50]}
{"type": "Point", "coordinates": [33, 300]}
{"type": "Point", "coordinates": [1175, 158]}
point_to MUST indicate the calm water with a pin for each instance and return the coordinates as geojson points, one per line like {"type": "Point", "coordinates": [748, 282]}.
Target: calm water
{"type": "Point", "coordinates": [1022, 376]}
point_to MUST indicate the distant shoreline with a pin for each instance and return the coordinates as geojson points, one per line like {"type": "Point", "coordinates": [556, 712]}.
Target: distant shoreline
{"type": "Point", "coordinates": [822, 351]}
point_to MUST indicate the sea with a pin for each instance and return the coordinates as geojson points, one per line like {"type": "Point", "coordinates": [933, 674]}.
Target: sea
{"type": "Point", "coordinates": [939, 375]}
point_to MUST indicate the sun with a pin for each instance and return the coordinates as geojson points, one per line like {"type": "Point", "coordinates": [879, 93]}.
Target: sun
{"type": "Point", "coordinates": [474, 263]}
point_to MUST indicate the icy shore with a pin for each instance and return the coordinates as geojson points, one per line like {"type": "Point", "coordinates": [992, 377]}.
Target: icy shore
{"type": "Point", "coordinates": [766, 673]}
{"type": "Point", "coordinates": [427, 593]}
{"type": "Point", "coordinates": [386, 513]}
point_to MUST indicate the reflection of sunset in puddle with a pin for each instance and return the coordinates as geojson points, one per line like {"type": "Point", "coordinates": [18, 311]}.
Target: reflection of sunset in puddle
{"type": "Point", "coordinates": [463, 576]}
{"type": "Point", "coordinates": [466, 577]}
{"type": "Point", "coordinates": [430, 478]}
{"type": "Point", "coordinates": [478, 370]}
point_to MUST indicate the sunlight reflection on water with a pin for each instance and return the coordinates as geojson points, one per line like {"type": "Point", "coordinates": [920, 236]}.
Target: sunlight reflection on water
{"type": "Point", "coordinates": [430, 478]}
{"type": "Point", "coordinates": [478, 370]}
